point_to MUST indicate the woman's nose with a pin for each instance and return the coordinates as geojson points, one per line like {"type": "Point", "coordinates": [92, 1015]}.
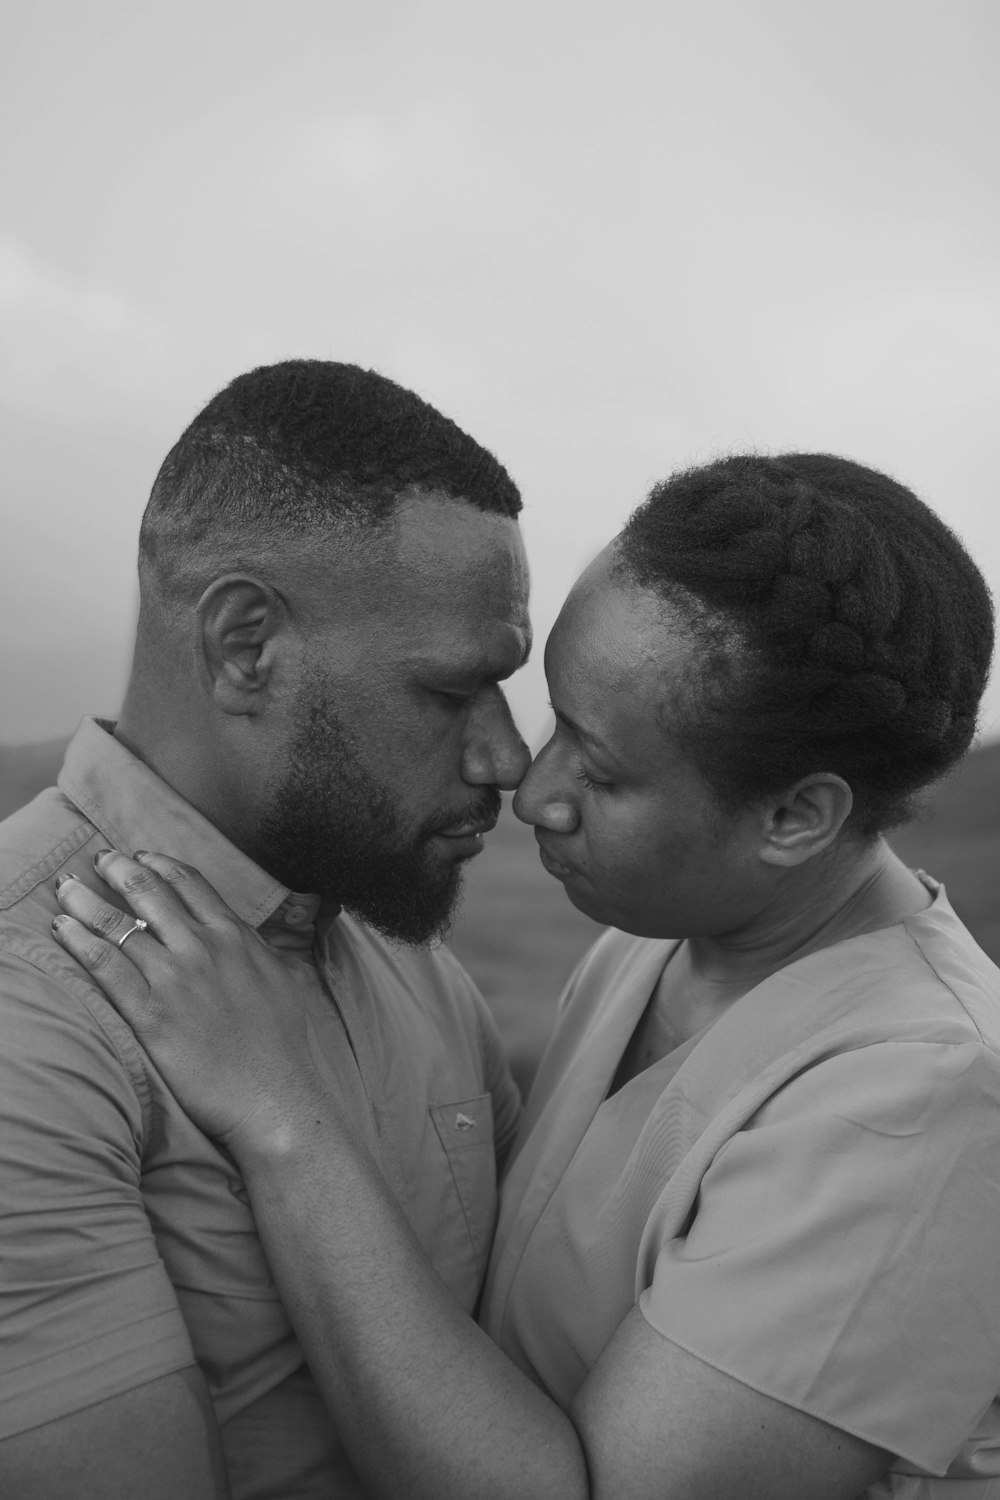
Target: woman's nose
{"type": "Point", "coordinates": [539, 800]}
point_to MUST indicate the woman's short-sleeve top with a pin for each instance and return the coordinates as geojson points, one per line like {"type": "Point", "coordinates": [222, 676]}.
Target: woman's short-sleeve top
{"type": "Point", "coordinates": [806, 1195]}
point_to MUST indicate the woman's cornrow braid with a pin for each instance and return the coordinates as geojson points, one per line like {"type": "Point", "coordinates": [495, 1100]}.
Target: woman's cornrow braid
{"type": "Point", "coordinates": [866, 628]}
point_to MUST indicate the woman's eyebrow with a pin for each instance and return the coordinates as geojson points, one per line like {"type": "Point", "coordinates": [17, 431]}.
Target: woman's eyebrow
{"type": "Point", "coordinates": [587, 735]}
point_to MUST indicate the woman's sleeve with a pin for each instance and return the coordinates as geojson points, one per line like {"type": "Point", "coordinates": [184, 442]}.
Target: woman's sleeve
{"type": "Point", "coordinates": [843, 1255]}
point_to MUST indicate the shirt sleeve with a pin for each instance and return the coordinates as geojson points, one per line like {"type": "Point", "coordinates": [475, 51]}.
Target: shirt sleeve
{"type": "Point", "coordinates": [842, 1254]}
{"type": "Point", "coordinates": [86, 1308]}
{"type": "Point", "coordinates": [500, 1083]}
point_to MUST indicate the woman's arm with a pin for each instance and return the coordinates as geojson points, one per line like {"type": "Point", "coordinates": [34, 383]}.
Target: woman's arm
{"type": "Point", "coordinates": [436, 1411]}
{"type": "Point", "coordinates": [425, 1404]}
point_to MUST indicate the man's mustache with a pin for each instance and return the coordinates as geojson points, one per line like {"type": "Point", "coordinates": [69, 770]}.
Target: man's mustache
{"type": "Point", "coordinates": [482, 810]}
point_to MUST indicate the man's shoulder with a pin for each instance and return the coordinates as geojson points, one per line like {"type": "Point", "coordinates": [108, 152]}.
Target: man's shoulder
{"type": "Point", "coordinates": [48, 1005]}
{"type": "Point", "coordinates": [36, 843]}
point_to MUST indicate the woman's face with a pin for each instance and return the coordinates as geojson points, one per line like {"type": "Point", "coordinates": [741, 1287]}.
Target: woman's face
{"type": "Point", "coordinates": [621, 815]}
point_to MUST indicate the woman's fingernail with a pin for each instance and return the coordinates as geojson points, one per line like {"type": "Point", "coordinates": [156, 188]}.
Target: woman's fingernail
{"type": "Point", "coordinates": [58, 921]}
{"type": "Point", "coordinates": [140, 853]}
{"type": "Point", "coordinates": [100, 855]}
{"type": "Point", "coordinates": [62, 879]}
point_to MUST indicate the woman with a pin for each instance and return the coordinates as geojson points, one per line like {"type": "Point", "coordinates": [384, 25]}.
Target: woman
{"type": "Point", "coordinates": [748, 1243]}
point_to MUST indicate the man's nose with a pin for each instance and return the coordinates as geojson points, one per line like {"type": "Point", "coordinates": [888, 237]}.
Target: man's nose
{"type": "Point", "coordinates": [495, 754]}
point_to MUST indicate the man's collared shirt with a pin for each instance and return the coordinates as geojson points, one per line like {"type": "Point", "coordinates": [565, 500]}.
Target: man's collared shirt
{"type": "Point", "coordinates": [127, 1247]}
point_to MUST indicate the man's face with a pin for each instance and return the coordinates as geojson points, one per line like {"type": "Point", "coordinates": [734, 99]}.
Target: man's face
{"type": "Point", "coordinates": [399, 738]}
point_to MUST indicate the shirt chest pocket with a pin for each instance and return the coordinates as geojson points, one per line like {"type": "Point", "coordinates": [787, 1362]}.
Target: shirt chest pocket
{"type": "Point", "coordinates": [465, 1130]}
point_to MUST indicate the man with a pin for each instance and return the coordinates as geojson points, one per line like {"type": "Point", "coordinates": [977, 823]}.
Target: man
{"type": "Point", "coordinates": [332, 589]}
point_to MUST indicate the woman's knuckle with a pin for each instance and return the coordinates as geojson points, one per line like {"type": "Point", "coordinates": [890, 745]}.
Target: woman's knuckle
{"type": "Point", "coordinates": [98, 956]}
{"type": "Point", "coordinates": [140, 882]}
{"type": "Point", "coordinates": [106, 920]}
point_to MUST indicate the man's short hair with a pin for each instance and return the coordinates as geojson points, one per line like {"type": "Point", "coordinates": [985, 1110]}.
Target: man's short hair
{"type": "Point", "coordinates": [301, 447]}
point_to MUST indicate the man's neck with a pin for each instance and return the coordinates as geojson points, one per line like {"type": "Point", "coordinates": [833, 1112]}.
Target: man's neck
{"type": "Point", "coordinates": [172, 743]}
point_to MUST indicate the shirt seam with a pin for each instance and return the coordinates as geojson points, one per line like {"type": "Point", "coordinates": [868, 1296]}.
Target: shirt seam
{"type": "Point", "coordinates": [154, 1365]}
{"type": "Point", "coordinates": [89, 1341]}
{"type": "Point", "coordinates": [102, 823]}
{"type": "Point", "coordinates": [33, 876]}
{"type": "Point", "coordinates": [947, 985]}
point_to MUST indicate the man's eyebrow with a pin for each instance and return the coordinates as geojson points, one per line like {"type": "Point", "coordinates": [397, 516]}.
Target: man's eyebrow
{"type": "Point", "coordinates": [486, 667]}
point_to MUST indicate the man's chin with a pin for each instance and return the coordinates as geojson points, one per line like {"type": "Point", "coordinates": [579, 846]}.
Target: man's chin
{"type": "Point", "coordinates": [417, 921]}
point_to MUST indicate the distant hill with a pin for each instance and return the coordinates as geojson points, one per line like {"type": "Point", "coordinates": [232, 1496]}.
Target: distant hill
{"type": "Point", "coordinates": [957, 840]}
{"type": "Point", "coordinates": [25, 770]}
{"type": "Point", "coordinates": [520, 938]}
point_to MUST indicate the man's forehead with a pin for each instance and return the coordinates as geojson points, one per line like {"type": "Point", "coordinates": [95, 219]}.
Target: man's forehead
{"type": "Point", "coordinates": [444, 555]}
{"type": "Point", "coordinates": [444, 574]}
{"type": "Point", "coordinates": [485, 647]}
{"type": "Point", "coordinates": [432, 531]}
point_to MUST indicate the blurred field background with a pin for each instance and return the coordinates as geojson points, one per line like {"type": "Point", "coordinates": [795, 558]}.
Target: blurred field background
{"type": "Point", "coordinates": [520, 938]}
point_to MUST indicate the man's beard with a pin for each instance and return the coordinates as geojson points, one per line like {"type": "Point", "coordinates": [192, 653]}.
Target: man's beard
{"type": "Point", "coordinates": [333, 829]}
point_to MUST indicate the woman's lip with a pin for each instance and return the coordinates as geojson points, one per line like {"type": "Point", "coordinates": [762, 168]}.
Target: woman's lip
{"type": "Point", "coordinates": [552, 865]}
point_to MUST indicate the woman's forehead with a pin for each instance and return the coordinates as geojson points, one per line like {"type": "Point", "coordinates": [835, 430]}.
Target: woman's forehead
{"type": "Point", "coordinates": [605, 611]}
{"type": "Point", "coordinates": [616, 642]}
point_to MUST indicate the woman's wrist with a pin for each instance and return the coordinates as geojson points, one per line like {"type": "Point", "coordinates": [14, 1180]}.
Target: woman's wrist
{"type": "Point", "coordinates": [278, 1128]}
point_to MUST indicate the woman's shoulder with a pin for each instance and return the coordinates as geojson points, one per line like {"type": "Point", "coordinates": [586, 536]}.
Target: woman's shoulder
{"type": "Point", "coordinates": [925, 977]}
{"type": "Point", "coordinates": [948, 952]}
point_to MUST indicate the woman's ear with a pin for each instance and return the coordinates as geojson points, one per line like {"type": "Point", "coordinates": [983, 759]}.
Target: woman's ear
{"type": "Point", "coordinates": [806, 819]}
{"type": "Point", "coordinates": [241, 627]}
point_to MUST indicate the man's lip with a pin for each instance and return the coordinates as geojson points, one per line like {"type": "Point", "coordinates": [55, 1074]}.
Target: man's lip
{"type": "Point", "coordinates": [466, 830]}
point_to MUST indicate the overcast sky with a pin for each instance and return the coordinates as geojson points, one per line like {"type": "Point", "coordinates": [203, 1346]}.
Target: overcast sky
{"type": "Point", "coordinates": [608, 239]}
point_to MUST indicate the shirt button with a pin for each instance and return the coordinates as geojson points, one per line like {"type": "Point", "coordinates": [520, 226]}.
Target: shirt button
{"type": "Point", "coordinates": [295, 916]}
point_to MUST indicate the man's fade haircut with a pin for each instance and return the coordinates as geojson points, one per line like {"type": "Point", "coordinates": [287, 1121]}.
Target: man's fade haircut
{"type": "Point", "coordinates": [840, 626]}
{"type": "Point", "coordinates": [304, 447]}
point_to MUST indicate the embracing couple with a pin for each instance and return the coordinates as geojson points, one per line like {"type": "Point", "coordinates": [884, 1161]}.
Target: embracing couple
{"type": "Point", "coordinates": [253, 1116]}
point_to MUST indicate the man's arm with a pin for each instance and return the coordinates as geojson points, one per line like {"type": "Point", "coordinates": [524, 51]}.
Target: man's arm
{"type": "Point", "coordinates": [99, 1392]}
{"type": "Point", "coordinates": [159, 1441]}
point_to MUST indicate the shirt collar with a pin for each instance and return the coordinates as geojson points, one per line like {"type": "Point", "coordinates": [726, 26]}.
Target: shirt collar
{"type": "Point", "coordinates": [133, 808]}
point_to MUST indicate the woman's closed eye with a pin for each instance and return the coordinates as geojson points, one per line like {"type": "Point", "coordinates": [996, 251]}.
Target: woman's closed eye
{"type": "Point", "coordinates": [590, 782]}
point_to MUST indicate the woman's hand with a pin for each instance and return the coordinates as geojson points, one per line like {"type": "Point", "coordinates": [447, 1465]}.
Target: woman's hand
{"type": "Point", "coordinates": [222, 1015]}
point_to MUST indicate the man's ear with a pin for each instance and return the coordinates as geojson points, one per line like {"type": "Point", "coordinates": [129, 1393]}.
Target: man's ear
{"type": "Point", "coordinates": [806, 819]}
{"type": "Point", "coordinates": [241, 624]}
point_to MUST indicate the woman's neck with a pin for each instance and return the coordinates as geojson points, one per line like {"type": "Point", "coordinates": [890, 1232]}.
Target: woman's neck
{"type": "Point", "coordinates": [857, 890]}
{"type": "Point", "coordinates": [705, 976]}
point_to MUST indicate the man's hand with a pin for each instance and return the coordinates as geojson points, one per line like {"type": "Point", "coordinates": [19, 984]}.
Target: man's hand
{"type": "Point", "coordinates": [222, 1015]}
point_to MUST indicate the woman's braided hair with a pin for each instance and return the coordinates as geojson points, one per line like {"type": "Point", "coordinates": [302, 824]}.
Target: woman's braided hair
{"type": "Point", "coordinates": [842, 627]}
